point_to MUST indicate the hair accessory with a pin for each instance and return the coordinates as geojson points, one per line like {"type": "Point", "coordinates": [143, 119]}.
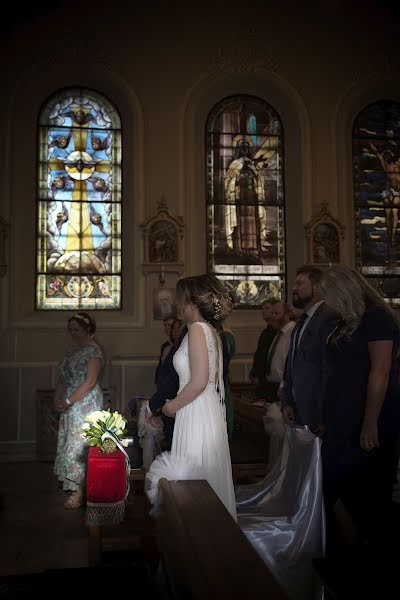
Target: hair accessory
{"type": "Point", "coordinates": [81, 317]}
{"type": "Point", "coordinates": [217, 308]}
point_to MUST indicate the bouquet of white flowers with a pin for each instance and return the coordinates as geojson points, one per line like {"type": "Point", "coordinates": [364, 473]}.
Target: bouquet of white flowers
{"type": "Point", "coordinates": [105, 430]}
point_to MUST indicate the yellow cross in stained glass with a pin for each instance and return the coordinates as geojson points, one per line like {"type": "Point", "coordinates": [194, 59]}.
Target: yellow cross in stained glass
{"type": "Point", "coordinates": [80, 166]}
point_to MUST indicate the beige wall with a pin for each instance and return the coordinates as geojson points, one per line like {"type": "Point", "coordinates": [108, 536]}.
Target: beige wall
{"type": "Point", "coordinates": [165, 67]}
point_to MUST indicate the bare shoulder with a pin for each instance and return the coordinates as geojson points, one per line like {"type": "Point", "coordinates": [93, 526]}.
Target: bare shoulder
{"type": "Point", "coordinates": [198, 331]}
{"type": "Point", "coordinates": [197, 328]}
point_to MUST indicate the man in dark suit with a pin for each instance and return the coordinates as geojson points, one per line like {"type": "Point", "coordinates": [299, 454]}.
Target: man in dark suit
{"type": "Point", "coordinates": [306, 369]}
{"type": "Point", "coordinates": [258, 370]}
{"type": "Point", "coordinates": [167, 387]}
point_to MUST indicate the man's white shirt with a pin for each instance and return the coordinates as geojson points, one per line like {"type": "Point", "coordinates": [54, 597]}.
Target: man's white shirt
{"type": "Point", "coordinates": [280, 354]}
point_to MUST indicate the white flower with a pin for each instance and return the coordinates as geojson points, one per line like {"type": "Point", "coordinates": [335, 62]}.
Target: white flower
{"type": "Point", "coordinates": [125, 443]}
{"type": "Point", "coordinates": [95, 416]}
{"type": "Point", "coordinates": [102, 424]}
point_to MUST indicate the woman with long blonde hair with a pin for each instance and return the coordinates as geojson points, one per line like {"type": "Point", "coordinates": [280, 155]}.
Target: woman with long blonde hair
{"type": "Point", "coordinates": [362, 403]}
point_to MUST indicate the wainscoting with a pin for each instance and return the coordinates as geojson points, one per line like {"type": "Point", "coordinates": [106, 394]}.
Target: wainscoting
{"type": "Point", "coordinates": [124, 378]}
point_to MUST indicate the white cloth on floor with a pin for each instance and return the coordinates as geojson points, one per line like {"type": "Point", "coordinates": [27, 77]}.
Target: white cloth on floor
{"type": "Point", "coordinates": [283, 515]}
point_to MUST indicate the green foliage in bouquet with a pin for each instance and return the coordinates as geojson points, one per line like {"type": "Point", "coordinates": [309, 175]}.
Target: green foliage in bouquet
{"type": "Point", "coordinates": [103, 429]}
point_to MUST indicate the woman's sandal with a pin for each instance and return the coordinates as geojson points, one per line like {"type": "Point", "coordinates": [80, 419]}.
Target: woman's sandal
{"type": "Point", "coordinates": [75, 500]}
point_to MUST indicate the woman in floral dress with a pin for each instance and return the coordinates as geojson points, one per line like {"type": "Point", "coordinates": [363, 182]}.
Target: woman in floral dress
{"type": "Point", "coordinates": [78, 393]}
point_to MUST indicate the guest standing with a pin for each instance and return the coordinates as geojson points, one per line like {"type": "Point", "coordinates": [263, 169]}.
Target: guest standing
{"type": "Point", "coordinates": [78, 393]}
{"type": "Point", "coordinates": [280, 318]}
{"type": "Point", "coordinates": [172, 327]}
{"type": "Point", "coordinates": [362, 403]}
{"type": "Point", "coordinates": [167, 382]}
{"type": "Point", "coordinates": [257, 373]}
{"type": "Point", "coordinates": [305, 377]}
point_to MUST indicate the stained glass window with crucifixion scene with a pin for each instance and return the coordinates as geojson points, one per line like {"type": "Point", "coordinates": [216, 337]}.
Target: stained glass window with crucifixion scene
{"type": "Point", "coordinates": [79, 203]}
{"type": "Point", "coordinates": [245, 199]}
{"type": "Point", "coordinates": [376, 167]}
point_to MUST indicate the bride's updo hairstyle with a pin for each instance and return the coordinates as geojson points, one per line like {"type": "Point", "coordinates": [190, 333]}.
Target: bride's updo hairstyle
{"type": "Point", "coordinates": [209, 295]}
{"type": "Point", "coordinates": [85, 321]}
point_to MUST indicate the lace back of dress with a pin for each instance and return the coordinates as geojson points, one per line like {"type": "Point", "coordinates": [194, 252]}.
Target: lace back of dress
{"type": "Point", "coordinates": [215, 361]}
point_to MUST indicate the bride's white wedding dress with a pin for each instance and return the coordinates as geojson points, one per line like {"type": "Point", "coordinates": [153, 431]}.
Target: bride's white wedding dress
{"type": "Point", "coordinates": [200, 448]}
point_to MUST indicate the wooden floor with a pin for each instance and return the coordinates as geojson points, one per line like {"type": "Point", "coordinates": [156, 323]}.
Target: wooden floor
{"type": "Point", "coordinates": [37, 533]}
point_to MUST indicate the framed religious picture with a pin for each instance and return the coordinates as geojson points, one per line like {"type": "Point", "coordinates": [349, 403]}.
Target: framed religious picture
{"type": "Point", "coordinates": [324, 237]}
{"type": "Point", "coordinates": [163, 303]}
{"type": "Point", "coordinates": [162, 241]}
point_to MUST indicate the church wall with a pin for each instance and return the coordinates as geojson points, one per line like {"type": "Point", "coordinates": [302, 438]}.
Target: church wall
{"type": "Point", "coordinates": [164, 69]}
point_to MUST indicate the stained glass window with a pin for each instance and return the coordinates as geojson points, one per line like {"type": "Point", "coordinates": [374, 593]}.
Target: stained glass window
{"type": "Point", "coordinates": [246, 220]}
{"type": "Point", "coordinates": [376, 163]}
{"type": "Point", "coordinates": [79, 203]}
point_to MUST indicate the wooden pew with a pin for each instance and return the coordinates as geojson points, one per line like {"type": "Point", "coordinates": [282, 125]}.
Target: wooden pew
{"type": "Point", "coordinates": [250, 443]}
{"type": "Point", "coordinates": [204, 552]}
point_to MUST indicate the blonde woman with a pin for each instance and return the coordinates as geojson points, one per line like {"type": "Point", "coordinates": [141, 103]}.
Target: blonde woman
{"type": "Point", "coordinates": [362, 400]}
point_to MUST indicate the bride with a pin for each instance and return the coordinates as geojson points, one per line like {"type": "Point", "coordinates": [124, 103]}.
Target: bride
{"type": "Point", "coordinates": [200, 447]}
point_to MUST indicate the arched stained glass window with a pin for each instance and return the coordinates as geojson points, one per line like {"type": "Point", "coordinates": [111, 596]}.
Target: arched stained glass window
{"type": "Point", "coordinates": [246, 231]}
{"type": "Point", "coordinates": [79, 203]}
{"type": "Point", "coordinates": [376, 161]}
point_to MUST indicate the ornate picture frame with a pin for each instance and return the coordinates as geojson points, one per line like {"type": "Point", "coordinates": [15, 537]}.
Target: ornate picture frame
{"type": "Point", "coordinates": [324, 235]}
{"type": "Point", "coordinates": [163, 303]}
{"type": "Point", "coordinates": [163, 242]}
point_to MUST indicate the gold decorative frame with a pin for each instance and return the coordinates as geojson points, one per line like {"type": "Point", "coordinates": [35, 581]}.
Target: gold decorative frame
{"type": "Point", "coordinates": [163, 242]}
{"type": "Point", "coordinates": [324, 235]}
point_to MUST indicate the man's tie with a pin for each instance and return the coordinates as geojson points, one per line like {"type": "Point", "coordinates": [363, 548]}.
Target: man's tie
{"type": "Point", "coordinates": [300, 325]}
{"type": "Point", "coordinates": [271, 352]}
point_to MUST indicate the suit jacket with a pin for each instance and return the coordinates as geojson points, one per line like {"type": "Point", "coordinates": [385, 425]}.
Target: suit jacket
{"type": "Point", "coordinates": [260, 359]}
{"type": "Point", "coordinates": [306, 374]}
{"type": "Point", "coordinates": [167, 382]}
{"type": "Point", "coordinates": [163, 346]}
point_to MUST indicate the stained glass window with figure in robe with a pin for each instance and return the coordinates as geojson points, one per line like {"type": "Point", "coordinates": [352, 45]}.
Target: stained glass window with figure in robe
{"type": "Point", "coordinates": [245, 199]}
